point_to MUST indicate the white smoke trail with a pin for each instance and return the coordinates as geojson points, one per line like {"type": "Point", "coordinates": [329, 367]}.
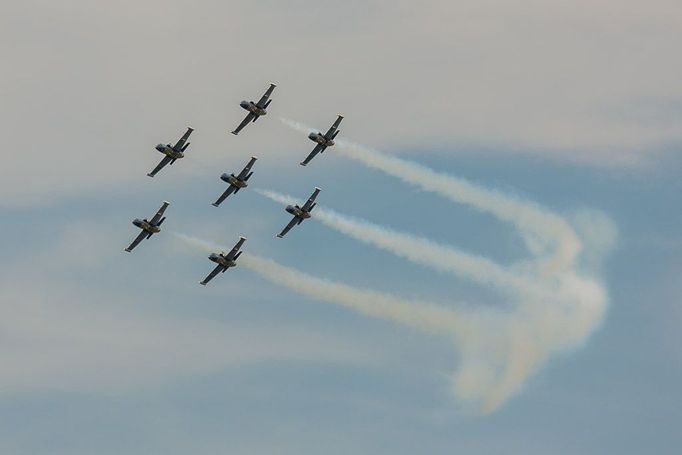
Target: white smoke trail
{"type": "Point", "coordinates": [419, 250]}
{"type": "Point", "coordinates": [433, 318]}
{"type": "Point", "coordinates": [498, 348]}
{"type": "Point", "coordinates": [542, 230]}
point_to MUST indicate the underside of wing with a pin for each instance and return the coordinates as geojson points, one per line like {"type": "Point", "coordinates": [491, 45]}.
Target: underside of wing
{"type": "Point", "coordinates": [309, 203]}
{"type": "Point", "coordinates": [266, 95]}
{"type": "Point", "coordinates": [181, 142]}
{"type": "Point", "coordinates": [230, 189]}
{"type": "Point", "coordinates": [166, 159]}
{"type": "Point", "coordinates": [137, 241]}
{"type": "Point", "coordinates": [288, 227]}
{"type": "Point", "coordinates": [249, 117]}
{"type": "Point", "coordinates": [246, 169]}
{"type": "Point", "coordinates": [333, 128]}
{"type": "Point", "coordinates": [159, 213]}
{"type": "Point", "coordinates": [233, 253]}
{"type": "Point", "coordinates": [219, 268]}
{"type": "Point", "coordinates": [318, 148]}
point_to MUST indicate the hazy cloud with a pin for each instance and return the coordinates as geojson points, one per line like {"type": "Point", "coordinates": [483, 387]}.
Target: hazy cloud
{"type": "Point", "coordinates": [88, 90]}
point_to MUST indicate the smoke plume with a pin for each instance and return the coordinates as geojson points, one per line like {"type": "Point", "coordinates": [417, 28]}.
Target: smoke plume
{"type": "Point", "coordinates": [551, 304]}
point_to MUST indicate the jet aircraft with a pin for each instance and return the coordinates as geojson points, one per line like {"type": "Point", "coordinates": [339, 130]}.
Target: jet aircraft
{"type": "Point", "coordinates": [300, 213]}
{"type": "Point", "coordinates": [236, 182]}
{"type": "Point", "coordinates": [323, 140]}
{"type": "Point", "coordinates": [224, 261]}
{"type": "Point", "coordinates": [149, 228]}
{"type": "Point", "coordinates": [255, 109]}
{"type": "Point", "coordinates": [172, 153]}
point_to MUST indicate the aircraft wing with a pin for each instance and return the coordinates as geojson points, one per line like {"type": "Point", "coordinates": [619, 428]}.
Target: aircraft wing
{"type": "Point", "coordinates": [247, 168]}
{"type": "Point", "coordinates": [330, 132]}
{"type": "Point", "coordinates": [137, 241]}
{"type": "Point", "coordinates": [288, 227]}
{"type": "Point", "coordinates": [178, 145]}
{"type": "Point", "coordinates": [230, 189]}
{"type": "Point", "coordinates": [249, 117]}
{"type": "Point", "coordinates": [159, 213]}
{"type": "Point", "coordinates": [311, 200]}
{"type": "Point", "coordinates": [318, 149]}
{"type": "Point", "coordinates": [166, 159]}
{"type": "Point", "coordinates": [234, 252]}
{"type": "Point", "coordinates": [264, 99]}
{"type": "Point", "coordinates": [219, 268]}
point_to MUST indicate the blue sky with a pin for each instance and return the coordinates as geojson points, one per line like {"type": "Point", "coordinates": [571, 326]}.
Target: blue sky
{"type": "Point", "coordinates": [105, 352]}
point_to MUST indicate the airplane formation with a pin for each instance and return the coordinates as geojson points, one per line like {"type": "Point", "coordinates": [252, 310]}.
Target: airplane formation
{"type": "Point", "coordinates": [175, 152]}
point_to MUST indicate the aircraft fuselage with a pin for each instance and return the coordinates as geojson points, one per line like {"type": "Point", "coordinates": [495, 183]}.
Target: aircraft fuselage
{"type": "Point", "coordinates": [167, 149]}
{"type": "Point", "coordinates": [233, 180]}
{"type": "Point", "coordinates": [298, 212]}
{"type": "Point", "coordinates": [146, 226]}
{"type": "Point", "coordinates": [320, 139]}
{"type": "Point", "coordinates": [222, 260]}
{"type": "Point", "coordinates": [253, 108]}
